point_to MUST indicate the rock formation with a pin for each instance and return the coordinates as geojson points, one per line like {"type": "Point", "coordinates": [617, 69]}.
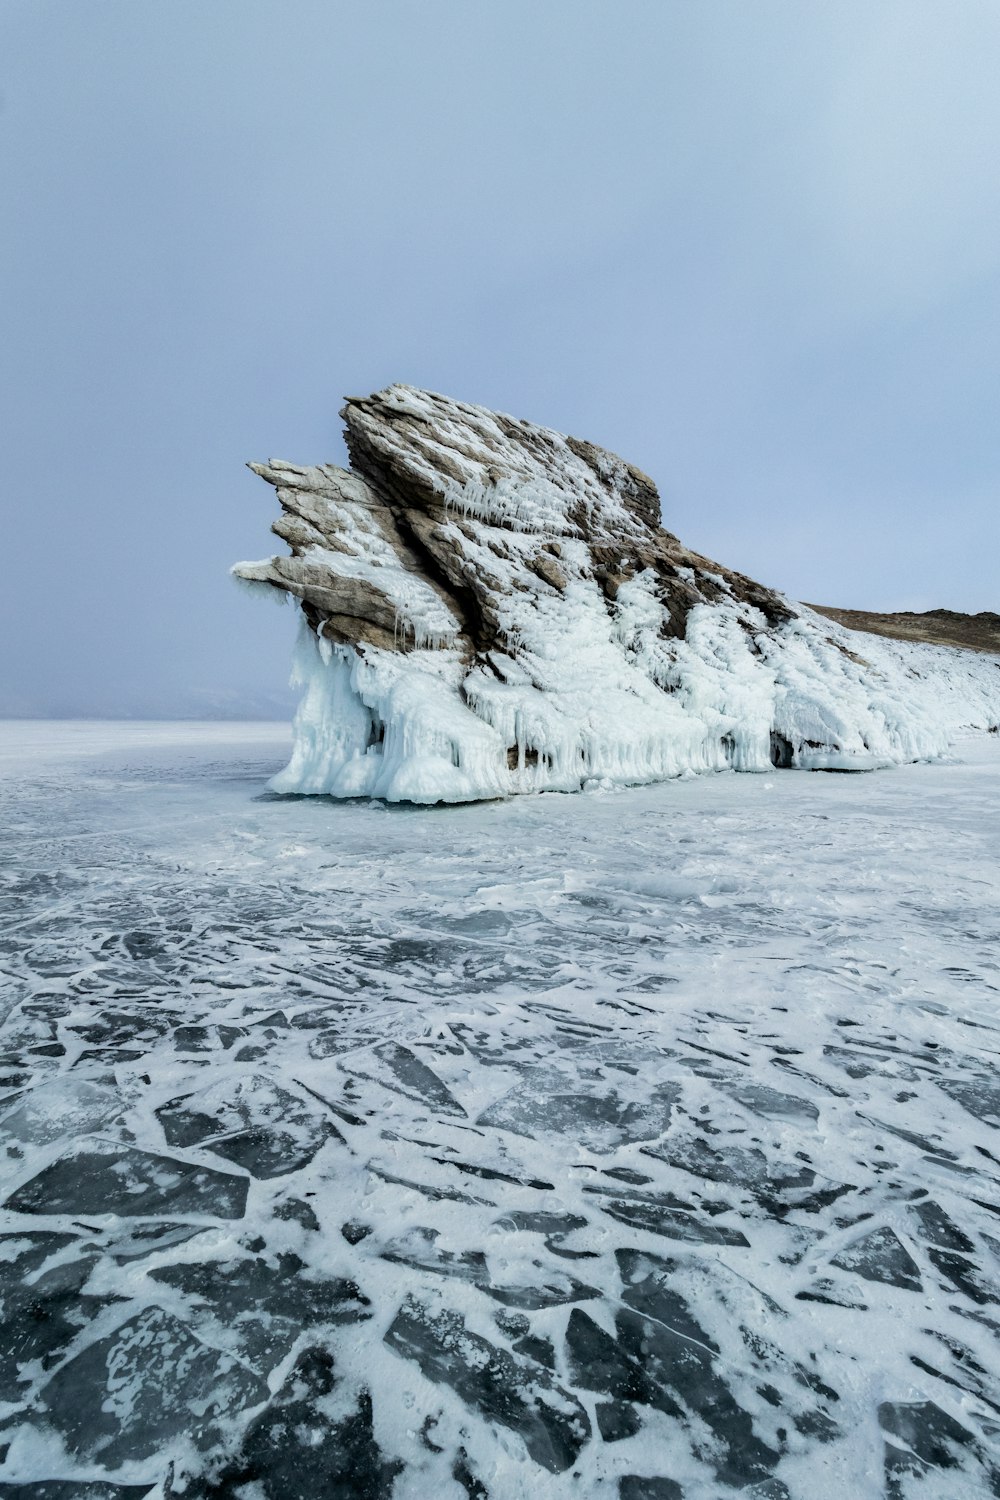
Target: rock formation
{"type": "Point", "coordinates": [491, 607]}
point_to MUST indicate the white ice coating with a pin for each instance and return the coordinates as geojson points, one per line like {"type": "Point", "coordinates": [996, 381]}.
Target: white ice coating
{"type": "Point", "coordinates": [387, 725]}
{"type": "Point", "coordinates": [596, 701]}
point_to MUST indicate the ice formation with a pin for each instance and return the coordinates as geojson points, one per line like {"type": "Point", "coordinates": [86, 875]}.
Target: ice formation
{"type": "Point", "coordinates": [490, 607]}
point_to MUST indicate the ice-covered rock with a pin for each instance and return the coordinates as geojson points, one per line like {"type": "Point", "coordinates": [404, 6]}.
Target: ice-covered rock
{"type": "Point", "coordinates": [490, 607]}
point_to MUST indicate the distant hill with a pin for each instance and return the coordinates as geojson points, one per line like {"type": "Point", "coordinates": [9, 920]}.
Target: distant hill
{"type": "Point", "coordinates": [938, 627]}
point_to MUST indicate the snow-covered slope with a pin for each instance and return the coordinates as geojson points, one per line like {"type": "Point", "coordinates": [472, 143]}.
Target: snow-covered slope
{"type": "Point", "coordinates": [490, 607]}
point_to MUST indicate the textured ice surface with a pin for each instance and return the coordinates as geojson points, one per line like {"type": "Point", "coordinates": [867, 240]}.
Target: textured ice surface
{"type": "Point", "coordinates": [639, 1145]}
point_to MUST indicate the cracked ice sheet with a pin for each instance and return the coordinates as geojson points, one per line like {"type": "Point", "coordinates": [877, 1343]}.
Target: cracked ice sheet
{"type": "Point", "coordinates": [640, 1144]}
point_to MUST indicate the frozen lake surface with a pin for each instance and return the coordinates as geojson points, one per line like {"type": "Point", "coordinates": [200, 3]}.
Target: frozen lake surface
{"type": "Point", "coordinates": [639, 1145]}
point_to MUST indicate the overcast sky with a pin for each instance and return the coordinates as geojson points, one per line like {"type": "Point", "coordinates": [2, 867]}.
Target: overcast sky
{"type": "Point", "coordinates": [751, 245]}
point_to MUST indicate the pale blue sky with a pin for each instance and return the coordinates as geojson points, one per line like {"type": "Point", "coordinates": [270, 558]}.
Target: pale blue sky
{"type": "Point", "coordinates": [752, 245]}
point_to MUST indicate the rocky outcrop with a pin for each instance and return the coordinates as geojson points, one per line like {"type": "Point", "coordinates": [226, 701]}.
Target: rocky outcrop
{"type": "Point", "coordinates": [493, 607]}
{"type": "Point", "coordinates": [448, 507]}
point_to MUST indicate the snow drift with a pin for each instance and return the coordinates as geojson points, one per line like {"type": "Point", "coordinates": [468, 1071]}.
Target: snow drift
{"type": "Point", "coordinates": [490, 607]}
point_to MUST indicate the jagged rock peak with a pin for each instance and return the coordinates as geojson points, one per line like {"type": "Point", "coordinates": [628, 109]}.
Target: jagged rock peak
{"type": "Point", "coordinates": [492, 607]}
{"type": "Point", "coordinates": [433, 482]}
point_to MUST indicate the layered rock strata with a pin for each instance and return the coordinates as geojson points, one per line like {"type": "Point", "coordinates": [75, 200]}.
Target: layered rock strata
{"type": "Point", "coordinates": [491, 607]}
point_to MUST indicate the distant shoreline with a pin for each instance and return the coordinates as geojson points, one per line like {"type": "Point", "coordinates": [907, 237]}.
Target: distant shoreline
{"type": "Point", "coordinates": [936, 627]}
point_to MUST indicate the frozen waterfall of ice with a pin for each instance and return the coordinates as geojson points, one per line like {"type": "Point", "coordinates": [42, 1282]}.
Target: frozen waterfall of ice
{"type": "Point", "coordinates": [609, 705]}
